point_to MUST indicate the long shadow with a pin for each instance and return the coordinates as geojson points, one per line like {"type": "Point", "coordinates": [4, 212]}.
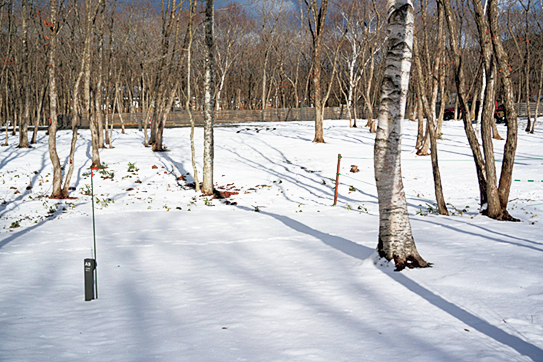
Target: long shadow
{"type": "Point", "coordinates": [26, 230]}
{"type": "Point", "coordinates": [311, 189]}
{"type": "Point", "coordinates": [162, 156]}
{"type": "Point", "coordinates": [33, 177]}
{"type": "Point", "coordinates": [314, 190]}
{"type": "Point", "coordinates": [361, 252]}
{"type": "Point", "coordinates": [496, 239]}
{"type": "Point", "coordinates": [499, 335]}
{"type": "Point", "coordinates": [344, 245]}
{"type": "Point", "coordinates": [310, 185]}
{"type": "Point", "coordinates": [86, 164]}
{"type": "Point", "coordinates": [10, 153]}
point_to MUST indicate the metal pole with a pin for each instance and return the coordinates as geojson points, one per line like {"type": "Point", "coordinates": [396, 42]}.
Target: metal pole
{"type": "Point", "coordinates": [337, 178]}
{"type": "Point", "coordinates": [94, 234]}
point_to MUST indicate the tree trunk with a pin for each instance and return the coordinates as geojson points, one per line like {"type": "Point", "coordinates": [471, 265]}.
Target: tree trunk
{"type": "Point", "coordinates": [538, 98]}
{"type": "Point", "coordinates": [98, 98]}
{"type": "Point", "coordinates": [66, 188]}
{"type": "Point", "coordinates": [41, 99]}
{"type": "Point", "coordinates": [440, 114]}
{"type": "Point", "coordinates": [430, 109]}
{"type": "Point", "coordinates": [367, 94]}
{"type": "Point", "coordinates": [395, 236]}
{"type": "Point", "coordinates": [486, 111]}
{"type": "Point", "coordinates": [87, 58]}
{"type": "Point", "coordinates": [420, 122]}
{"type": "Point", "coordinates": [495, 132]}
{"type": "Point", "coordinates": [189, 95]}
{"type": "Point", "coordinates": [25, 119]}
{"type": "Point", "coordinates": [53, 98]}
{"type": "Point", "coordinates": [510, 112]}
{"type": "Point", "coordinates": [158, 146]}
{"type": "Point", "coordinates": [318, 17]}
{"type": "Point", "coordinates": [209, 100]}
{"type": "Point", "coordinates": [424, 150]}
{"type": "Point", "coordinates": [494, 209]}
{"type": "Point", "coordinates": [527, 67]}
{"type": "Point", "coordinates": [264, 80]}
{"type": "Point", "coordinates": [118, 105]}
{"type": "Point", "coordinates": [463, 99]}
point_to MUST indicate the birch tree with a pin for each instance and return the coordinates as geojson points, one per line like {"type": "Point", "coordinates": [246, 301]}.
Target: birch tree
{"type": "Point", "coordinates": [209, 99]}
{"type": "Point", "coordinates": [396, 242]}
{"type": "Point", "coordinates": [190, 38]}
{"type": "Point", "coordinates": [53, 98]}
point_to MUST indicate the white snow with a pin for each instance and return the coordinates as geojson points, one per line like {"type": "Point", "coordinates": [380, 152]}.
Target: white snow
{"type": "Point", "coordinates": [188, 278]}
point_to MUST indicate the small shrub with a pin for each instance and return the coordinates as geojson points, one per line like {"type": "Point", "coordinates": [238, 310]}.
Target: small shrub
{"type": "Point", "coordinates": [132, 167]}
{"type": "Point", "coordinates": [363, 208]}
{"type": "Point", "coordinates": [87, 190]}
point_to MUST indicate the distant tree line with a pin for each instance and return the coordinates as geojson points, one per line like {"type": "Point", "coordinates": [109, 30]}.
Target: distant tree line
{"type": "Point", "coordinates": [266, 55]}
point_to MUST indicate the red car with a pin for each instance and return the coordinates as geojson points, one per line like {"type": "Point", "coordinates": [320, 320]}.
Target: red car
{"type": "Point", "coordinates": [499, 113]}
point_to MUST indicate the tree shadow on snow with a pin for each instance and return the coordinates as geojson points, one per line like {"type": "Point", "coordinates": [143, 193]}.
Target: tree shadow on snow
{"type": "Point", "coordinates": [482, 326]}
{"type": "Point", "coordinates": [361, 252]}
{"type": "Point", "coordinates": [341, 244]}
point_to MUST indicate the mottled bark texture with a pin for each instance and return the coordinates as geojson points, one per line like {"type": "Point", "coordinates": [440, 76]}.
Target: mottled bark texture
{"type": "Point", "coordinates": [506, 175]}
{"type": "Point", "coordinates": [209, 100]}
{"type": "Point", "coordinates": [53, 97]}
{"type": "Point", "coordinates": [395, 236]}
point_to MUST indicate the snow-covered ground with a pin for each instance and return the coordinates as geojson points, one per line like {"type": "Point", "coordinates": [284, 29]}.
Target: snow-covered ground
{"type": "Point", "coordinates": [274, 272]}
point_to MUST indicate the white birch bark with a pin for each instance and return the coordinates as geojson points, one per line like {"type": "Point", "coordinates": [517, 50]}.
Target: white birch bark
{"type": "Point", "coordinates": [395, 236]}
{"type": "Point", "coordinates": [189, 95]}
{"type": "Point", "coordinates": [53, 99]}
{"type": "Point", "coordinates": [209, 100]}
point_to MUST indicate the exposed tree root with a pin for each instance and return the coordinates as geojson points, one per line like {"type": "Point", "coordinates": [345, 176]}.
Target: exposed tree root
{"type": "Point", "coordinates": [423, 152]}
{"type": "Point", "coordinates": [62, 196]}
{"type": "Point", "coordinates": [410, 262]}
{"type": "Point", "coordinates": [504, 216]}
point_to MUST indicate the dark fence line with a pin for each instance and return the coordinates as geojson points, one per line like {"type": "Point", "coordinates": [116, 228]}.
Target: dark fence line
{"type": "Point", "coordinates": [522, 110]}
{"type": "Point", "coordinates": [181, 118]}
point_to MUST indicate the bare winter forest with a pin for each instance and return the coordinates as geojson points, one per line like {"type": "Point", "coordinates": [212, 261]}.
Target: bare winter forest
{"type": "Point", "coordinates": [120, 56]}
{"type": "Point", "coordinates": [78, 63]}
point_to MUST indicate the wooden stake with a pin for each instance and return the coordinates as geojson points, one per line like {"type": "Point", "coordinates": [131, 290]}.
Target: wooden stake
{"type": "Point", "coordinates": [337, 178]}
